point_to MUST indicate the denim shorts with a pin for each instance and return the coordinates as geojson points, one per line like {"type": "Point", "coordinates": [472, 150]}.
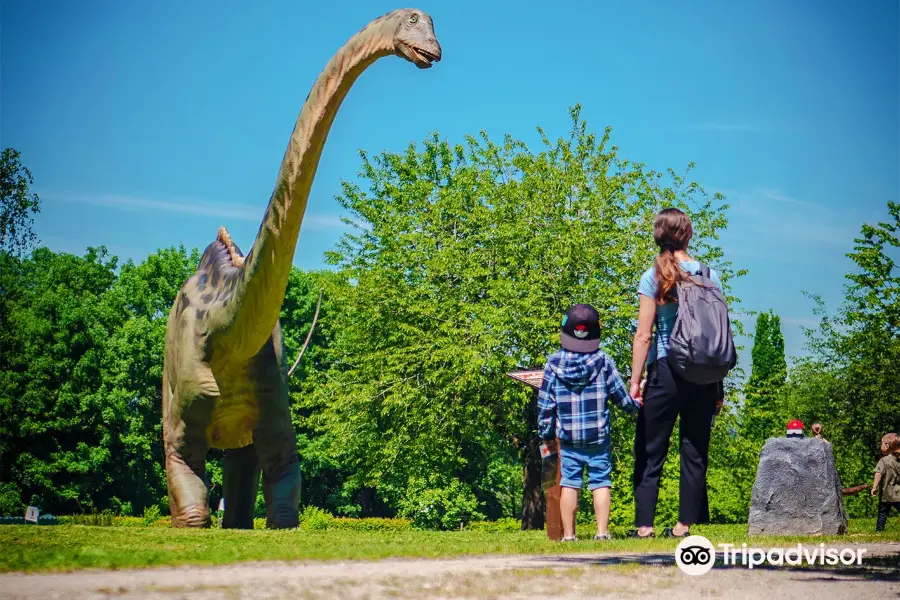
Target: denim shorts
{"type": "Point", "coordinates": [597, 459]}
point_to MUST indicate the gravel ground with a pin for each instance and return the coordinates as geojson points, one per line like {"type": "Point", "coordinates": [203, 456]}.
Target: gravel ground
{"type": "Point", "coordinates": [558, 577]}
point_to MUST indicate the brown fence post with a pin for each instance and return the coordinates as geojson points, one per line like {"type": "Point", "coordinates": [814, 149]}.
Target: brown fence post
{"type": "Point", "coordinates": [552, 514]}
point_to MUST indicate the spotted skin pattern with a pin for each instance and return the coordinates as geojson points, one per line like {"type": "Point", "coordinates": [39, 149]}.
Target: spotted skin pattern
{"type": "Point", "coordinates": [224, 374]}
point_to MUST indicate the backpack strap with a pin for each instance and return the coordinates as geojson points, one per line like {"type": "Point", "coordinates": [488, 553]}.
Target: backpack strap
{"type": "Point", "coordinates": [704, 270]}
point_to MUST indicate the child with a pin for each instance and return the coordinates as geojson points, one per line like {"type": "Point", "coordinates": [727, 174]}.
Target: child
{"type": "Point", "coordinates": [817, 432]}
{"type": "Point", "coordinates": [887, 473]}
{"type": "Point", "coordinates": [579, 379]}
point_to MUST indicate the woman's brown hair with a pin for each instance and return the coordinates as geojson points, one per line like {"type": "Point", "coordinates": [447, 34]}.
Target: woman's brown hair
{"type": "Point", "coordinates": [672, 231]}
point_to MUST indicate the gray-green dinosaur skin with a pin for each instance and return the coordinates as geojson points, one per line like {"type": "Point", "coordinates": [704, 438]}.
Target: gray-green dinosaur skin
{"type": "Point", "coordinates": [224, 375]}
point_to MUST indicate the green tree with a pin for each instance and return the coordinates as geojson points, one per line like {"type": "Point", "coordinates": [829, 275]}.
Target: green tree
{"type": "Point", "coordinates": [465, 259]}
{"type": "Point", "coordinates": [761, 415]}
{"type": "Point", "coordinates": [16, 204]}
{"type": "Point", "coordinates": [80, 388]}
{"type": "Point", "coordinates": [52, 426]}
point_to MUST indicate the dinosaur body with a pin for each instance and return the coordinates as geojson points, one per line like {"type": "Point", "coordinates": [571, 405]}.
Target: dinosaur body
{"type": "Point", "coordinates": [224, 376]}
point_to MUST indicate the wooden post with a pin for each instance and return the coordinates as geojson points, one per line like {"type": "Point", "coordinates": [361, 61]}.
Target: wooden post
{"type": "Point", "coordinates": [553, 520]}
{"type": "Point", "coordinates": [552, 514]}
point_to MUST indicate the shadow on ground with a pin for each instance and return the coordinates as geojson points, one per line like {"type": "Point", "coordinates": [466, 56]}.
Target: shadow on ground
{"type": "Point", "coordinates": [873, 568]}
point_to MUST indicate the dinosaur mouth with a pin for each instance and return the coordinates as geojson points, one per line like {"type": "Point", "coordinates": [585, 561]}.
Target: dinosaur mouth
{"type": "Point", "coordinates": [421, 57]}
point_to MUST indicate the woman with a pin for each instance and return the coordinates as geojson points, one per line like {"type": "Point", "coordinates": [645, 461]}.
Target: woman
{"type": "Point", "coordinates": [665, 395]}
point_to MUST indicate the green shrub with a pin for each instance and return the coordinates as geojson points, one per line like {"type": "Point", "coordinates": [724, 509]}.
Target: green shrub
{"type": "Point", "coordinates": [151, 515]}
{"type": "Point", "coordinates": [444, 508]}
{"type": "Point", "coordinates": [503, 525]}
{"type": "Point", "coordinates": [129, 522]}
{"type": "Point", "coordinates": [104, 519]}
{"type": "Point", "coordinates": [314, 518]}
{"type": "Point", "coordinates": [370, 524]}
{"type": "Point", "coordinates": [10, 500]}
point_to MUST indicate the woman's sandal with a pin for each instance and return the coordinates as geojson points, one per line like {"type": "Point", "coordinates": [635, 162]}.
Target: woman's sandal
{"type": "Point", "coordinates": [669, 533]}
{"type": "Point", "coordinates": [634, 534]}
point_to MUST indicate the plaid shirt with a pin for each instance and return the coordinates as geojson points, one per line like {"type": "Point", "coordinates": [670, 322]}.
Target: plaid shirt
{"type": "Point", "coordinates": [573, 399]}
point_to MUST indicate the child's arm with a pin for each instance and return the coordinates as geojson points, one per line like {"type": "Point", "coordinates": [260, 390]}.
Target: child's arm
{"type": "Point", "coordinates": [617, 390]}
{"type": "Point", "coordinates": [875, 484]}
{"type": "Point", "coordinates": [547, 407]}
{"type": "Point", "coordinates": [879, 468]}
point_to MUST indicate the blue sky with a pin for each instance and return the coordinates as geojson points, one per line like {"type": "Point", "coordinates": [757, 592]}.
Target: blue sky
{"type": "Point", "coordinates": [180, 112]}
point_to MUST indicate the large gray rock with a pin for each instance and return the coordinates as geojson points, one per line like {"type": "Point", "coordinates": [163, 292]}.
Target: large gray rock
{"type": "Point", "coordinates": [797, 490]}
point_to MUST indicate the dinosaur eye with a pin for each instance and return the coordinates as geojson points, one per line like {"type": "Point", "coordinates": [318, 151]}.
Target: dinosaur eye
{"type": "Point", "coordinates": [413, 18]}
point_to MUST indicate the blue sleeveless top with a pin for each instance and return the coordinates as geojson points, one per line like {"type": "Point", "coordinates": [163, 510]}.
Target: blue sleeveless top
{"type": "Point", "coordinates": [666, 313]}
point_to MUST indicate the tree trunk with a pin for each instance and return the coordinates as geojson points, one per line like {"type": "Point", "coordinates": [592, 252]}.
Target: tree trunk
{"type": "Point", "coordinates": [533, 496]}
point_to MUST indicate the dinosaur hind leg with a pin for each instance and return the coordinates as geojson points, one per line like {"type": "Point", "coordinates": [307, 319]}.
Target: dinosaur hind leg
{"type": "Point", "coordinates": [241, 482]}
{"type": "Point", "coordinates": [281, 488]}
{"type": "Point", "coordinates": [276, 446]}
{"type": "Point", "coordinates": [274, 438]}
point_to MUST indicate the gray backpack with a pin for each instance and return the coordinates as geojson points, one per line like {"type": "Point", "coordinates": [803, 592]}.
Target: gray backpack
{"type": "Point", "coordinates": [701, 346]}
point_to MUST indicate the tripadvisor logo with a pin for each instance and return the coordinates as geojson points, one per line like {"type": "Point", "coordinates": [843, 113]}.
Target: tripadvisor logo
{"type": "Point", "coordinates": [696, 555]}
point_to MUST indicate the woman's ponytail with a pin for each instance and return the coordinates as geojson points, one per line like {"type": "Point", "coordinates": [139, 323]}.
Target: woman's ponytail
{"type": "Point", "coordinates": [672, 231]}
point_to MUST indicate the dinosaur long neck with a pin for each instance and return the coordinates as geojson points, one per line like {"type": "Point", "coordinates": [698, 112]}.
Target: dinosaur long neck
{"type": "Point", "coordinates": [248, 319]}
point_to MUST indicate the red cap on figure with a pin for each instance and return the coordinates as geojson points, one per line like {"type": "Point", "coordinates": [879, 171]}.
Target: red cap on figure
{"type": "Point", "coordinates": [795, 428]}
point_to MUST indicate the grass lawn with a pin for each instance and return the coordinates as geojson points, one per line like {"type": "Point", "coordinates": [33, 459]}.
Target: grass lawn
{"type": "Point", "coordinates": [70, 547]}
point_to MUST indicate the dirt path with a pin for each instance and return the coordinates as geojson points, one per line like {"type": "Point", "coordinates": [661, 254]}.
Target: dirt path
{"type": "Point", "coordinates": [557, 577]}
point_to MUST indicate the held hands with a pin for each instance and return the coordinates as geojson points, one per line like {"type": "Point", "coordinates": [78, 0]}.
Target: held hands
{"type": "Point", "coordinates": [637, 392]}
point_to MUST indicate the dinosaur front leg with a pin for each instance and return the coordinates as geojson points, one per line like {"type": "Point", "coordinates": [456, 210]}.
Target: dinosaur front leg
{"type": "Point", "coordinates": [184, 439]}
{"type": "Point", "coordinates": [186, 478]}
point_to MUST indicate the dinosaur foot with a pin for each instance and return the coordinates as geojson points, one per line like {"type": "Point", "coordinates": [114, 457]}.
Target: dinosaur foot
{"type": "Point", "coordinates": [195, 516]}
{"type": "Point", "coordinates": [283, 520]}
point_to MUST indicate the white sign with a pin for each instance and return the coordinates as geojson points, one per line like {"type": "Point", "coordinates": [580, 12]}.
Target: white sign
{"type": "Point", "coordinates": [221, 503]}
{"type": "Point", "coordinates": [31, 514]}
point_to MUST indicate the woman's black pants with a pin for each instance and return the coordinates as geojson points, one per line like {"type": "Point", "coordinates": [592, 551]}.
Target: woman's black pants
{"type": "Point", "coordinates": [666, 396]}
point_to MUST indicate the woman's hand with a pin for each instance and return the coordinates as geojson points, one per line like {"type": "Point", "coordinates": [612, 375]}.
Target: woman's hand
{"type": "Point", "coordinates": [637, 392]}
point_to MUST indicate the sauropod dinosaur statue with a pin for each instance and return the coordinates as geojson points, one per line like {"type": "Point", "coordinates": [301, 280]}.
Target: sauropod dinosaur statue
{"type": "Point", "coordinates": [224, 377]}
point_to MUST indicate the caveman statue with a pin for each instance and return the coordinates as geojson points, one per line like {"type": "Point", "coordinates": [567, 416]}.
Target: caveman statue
{"type": "Point", "coordinates": [224, 377]}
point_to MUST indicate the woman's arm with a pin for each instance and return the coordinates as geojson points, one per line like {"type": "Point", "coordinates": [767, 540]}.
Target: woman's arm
{"type": "Point", "coordinates": [642, 339]}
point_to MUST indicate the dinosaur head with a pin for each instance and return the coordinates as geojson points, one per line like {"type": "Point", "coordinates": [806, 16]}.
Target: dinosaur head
{"type": "Point", "coordinates": [414, 37]}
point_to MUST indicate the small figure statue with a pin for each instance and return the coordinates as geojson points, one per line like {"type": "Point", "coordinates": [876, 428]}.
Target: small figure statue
{"type": "Point", "coordinates": [795, 429]}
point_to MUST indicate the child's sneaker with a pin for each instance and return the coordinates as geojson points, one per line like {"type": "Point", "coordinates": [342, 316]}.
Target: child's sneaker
{"type": "Point", "coordinates": [602, 536]}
